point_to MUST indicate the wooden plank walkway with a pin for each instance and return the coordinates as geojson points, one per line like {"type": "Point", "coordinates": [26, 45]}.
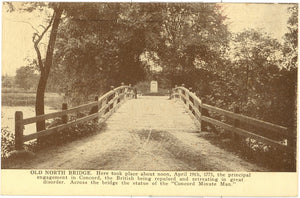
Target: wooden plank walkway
{"type": "Point", "coordinates": [151, 112]}
{"type": "Point", "coordinates": [148, 133]}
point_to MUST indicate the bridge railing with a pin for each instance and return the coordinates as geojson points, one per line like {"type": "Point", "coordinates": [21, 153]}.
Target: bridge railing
{"type": "Point", "coordinates": [200, 111]}
{"type": "Point", "coordinates": [100, 109]}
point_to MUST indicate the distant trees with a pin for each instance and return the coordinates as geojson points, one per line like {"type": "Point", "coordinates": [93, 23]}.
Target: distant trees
{"type": "Point", "coordinates": [7, 81]}
{"type": "Point", "coordinates": [26, 77]}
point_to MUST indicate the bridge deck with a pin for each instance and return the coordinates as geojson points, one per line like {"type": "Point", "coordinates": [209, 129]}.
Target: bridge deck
{"type": "Point", "coordinates": [149, 133]}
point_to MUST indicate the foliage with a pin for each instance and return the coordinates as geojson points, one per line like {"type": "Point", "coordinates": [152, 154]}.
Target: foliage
{"type": "Point", "coordinates": [290, 49]}
{"type": "Point", "coordinates": [70, 133]}
{"type": "Point", "coordinates": [62, 137]}
{"type": "Point", "coordinates": [7, 142]}
{"type": "Point", "coordinates": [7, 81]}
{"type": "Point", "coordinates": [102, 44]}
{"type": "Point", "coordinates": [26, 77]}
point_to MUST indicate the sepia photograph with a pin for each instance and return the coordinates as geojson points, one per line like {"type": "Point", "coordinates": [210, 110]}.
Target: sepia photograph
{"type": "Point", "coordinates": [149, 87]}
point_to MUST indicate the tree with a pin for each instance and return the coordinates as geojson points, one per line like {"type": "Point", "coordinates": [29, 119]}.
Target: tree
{"type": "Point", "coordinates": [256, 60]}
{"type": "Point", "coordinates": [267, 86]}
{"type": "Point", "coordinates": [7, 81]}
{"type": "Point", "coordinates": [100, 45]}
{"type": "Point", "coordinates": [26, 77]}
{"type": "Point", "coordinates": [290, 49]}
{"type": "Point", "coordinates": [44, 64]}
{"type": "Point", "coordinates": [193, 32]}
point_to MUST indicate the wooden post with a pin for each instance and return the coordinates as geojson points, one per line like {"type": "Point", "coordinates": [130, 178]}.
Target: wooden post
{"type": "Point", "coordinates": [200, 110]}
{"type": "Point", "coordinates": [95, 108]}
{"type": "Point", "coordinates": [203, 112]}
{"type": "Point", "coordinates": [19, 127]}
{"type": "Point", "coordinates": [187, 99]}
{"type": "Point", "coordinates": [174, 91]}
{"type": "Point", "coordinates": [129, 91]}
{"type": "Point", "coordinates": [104, 104]}
{"type": "Point", "coordinates": [112, 104]}
{"type": "Point", "coordinates": [122, 91]}
{"type": "Point", "coordinates": [64, 118]}
{"type": "Point", "coordinates": [135, 93]}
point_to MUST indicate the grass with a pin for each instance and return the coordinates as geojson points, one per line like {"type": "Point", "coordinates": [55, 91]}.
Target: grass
{"type": "Point", "coordinates": [53, 100]}
{"type": "Point", "coordinates": [16, 90]}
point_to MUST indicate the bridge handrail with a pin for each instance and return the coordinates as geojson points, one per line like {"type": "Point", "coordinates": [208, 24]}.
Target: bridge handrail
{"type": "Point", "coordinates": [107, 102]}
{"type": "Point", "coordinates": [195, 106]}
{"type": "Point", "coordinates": [72, 110]}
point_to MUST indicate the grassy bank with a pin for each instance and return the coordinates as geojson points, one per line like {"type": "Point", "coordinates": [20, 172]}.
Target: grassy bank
{"type": "Point", "coordinates": [53, 100]}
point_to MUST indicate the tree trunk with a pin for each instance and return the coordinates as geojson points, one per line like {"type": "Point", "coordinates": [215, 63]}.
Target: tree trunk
{"type": "Point", "coordinates": [39, 105]}
{"type": "Point", "coordinates": [39, 102]}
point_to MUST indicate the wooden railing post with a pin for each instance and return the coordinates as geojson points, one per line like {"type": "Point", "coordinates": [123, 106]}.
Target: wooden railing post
{"type": "Point", "coordinates": [130, 89]}
{"type": "Point", "coordinates": [103, 104]}
{"type": "Point", "coordinates": [112, 104]}
{"type": "Point", "coordinates": [64, 118]}
{"type": "Point", "coordinates": [123, 91]}
{"type": "Point", "coordinates": [187, 99]}
{"type": "Point", "coordinates": [181, 93]}
{"type": "Point", "coordinates": [95, 108]}
{"type": "Point", "coordinates": [175, 91]}
{"type": "Point", "coordinates": [200, 116]}
{"type": "Point", "coordinates": [19, 127]}
{"type": "Point", "coordinates": [135, 93]}
{"type": "Point", "coordinates": [203, 112]}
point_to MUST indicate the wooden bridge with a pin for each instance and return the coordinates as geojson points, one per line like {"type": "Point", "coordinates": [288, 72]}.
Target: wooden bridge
{"type": "Point", "coordinates": [148, 133]}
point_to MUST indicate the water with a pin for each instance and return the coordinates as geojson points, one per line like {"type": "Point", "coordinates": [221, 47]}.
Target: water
{"type": "Point", "coordinates": [8, 117]}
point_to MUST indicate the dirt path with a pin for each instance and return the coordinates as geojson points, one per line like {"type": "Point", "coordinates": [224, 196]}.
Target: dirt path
{"type": "Point", "coordinates": [150, 133]}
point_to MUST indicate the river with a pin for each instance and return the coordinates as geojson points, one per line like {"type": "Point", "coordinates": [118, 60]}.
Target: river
{"type": "Point", "coordinates": [8, 117]}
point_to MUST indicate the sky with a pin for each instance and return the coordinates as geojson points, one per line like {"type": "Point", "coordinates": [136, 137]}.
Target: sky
{"type": "Point", "coordinates": [17, 32]}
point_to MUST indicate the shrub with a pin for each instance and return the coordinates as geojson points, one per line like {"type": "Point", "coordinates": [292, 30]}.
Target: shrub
{"type": "Point", "coordinates": [59, 138]}
{"type": "Point", "coordinates": [70, 133]}
{"type": "Point", "coordinates": [7, 142]}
